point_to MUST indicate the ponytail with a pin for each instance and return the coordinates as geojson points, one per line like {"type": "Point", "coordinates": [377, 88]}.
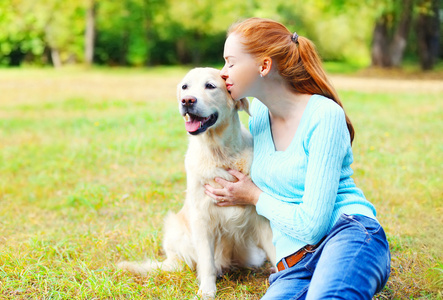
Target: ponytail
{"type": "Point", "coordinates": [316, 81]}
{"type": "Point", "coordinates": [296, 57]}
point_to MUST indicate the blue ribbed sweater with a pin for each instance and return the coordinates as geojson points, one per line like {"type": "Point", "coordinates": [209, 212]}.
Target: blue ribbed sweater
{"type": "Point", "coordinates": [308, 186]}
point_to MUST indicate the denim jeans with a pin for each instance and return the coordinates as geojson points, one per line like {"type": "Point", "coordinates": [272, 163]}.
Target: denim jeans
{"type": "Point", "coordinates": [353, 262]}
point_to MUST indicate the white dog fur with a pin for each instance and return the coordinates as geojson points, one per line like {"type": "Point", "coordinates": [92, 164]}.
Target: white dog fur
{"type": "Point", "coordinates": [201, 234]}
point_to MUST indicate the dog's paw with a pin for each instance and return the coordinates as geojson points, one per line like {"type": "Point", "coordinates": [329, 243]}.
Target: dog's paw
{"type": "Point", "coordinates": [207, 290]}
{"type": "Point", "coordinates": [206, 295]}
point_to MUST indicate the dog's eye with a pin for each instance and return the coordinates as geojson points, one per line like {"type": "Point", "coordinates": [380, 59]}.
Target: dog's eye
{"type": "Point", "coordinates": [184, 87]}
{"type": "Point", "coordinates": [210, 86]}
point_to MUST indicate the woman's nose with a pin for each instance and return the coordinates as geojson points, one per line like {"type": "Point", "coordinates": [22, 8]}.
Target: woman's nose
{"type": "Point", "coordinates": [223, 73]}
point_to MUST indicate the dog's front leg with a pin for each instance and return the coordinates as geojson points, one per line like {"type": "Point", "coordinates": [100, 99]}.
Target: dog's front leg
{"type": "Point", "coordinates": [206, 271]}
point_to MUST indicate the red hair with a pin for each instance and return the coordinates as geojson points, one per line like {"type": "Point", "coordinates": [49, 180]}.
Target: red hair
{"type": "Point", "coordinates": [297, 61]}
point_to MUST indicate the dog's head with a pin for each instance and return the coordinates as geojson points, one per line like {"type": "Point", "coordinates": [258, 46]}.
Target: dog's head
{"type": "Point", "coordinates": [204, 101]}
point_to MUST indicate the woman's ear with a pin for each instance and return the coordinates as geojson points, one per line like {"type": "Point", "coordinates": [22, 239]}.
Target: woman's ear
{"type": "Point", "coordinates": [243, 104]}
{"type": "Point", "coordinates": [265, 66]}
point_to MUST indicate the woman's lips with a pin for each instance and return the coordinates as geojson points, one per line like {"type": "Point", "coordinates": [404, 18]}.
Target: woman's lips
{"type": "Point", "coordinates": [228, 86]}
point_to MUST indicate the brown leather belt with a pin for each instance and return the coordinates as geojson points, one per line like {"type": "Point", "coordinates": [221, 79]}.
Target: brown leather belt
{"type": "Point", "coordinates": [293, 259]}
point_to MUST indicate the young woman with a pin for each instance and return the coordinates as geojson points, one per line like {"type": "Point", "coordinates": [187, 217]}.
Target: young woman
{"type": "Point", "coordinates": [329, 244]}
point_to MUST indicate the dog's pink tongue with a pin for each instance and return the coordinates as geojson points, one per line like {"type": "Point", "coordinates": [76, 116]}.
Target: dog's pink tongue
{"type": "Point", "coordinates": [192, 126]}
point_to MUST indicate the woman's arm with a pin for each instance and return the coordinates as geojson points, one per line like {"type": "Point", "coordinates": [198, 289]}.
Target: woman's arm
{"type": "Point", "coordinates": [327, 145]}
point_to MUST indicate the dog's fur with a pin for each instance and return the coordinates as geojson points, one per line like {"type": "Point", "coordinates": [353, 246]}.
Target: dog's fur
{"type": "Point", "coordinates": [202, 234]}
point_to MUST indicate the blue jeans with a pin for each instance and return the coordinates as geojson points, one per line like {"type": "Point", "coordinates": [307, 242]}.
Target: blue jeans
{"type": "Point", "coordinates": [353, 262]}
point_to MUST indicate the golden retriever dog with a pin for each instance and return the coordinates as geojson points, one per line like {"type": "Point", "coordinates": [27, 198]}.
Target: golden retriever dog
{"type": "Point", "coordinates": [203, 235]}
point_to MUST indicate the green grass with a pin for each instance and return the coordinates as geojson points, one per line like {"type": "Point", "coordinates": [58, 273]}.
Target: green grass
{"type": "Point", "coordinates": [91, 162]}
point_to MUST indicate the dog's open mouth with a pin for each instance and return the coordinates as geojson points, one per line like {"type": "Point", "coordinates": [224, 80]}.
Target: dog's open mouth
{"type": "Point", "coordinates": [195, 124]}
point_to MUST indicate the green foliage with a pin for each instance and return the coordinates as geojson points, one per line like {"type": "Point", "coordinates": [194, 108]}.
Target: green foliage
{"type": "Point", "coordinates": [30, 29]}
{"type": "Point", "coordinates": [341, 33]}
{"type": "Point", "coordinates": [146, 32]}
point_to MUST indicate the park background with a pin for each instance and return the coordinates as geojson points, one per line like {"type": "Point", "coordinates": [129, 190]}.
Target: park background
{"type": "Point", "coordinates": [92, 145]}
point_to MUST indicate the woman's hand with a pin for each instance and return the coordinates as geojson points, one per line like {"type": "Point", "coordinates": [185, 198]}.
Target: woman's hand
{"type": "Point", "coordinates": [242, 192]}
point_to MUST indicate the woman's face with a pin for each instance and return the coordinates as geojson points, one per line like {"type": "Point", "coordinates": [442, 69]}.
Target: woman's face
{"type": "Point", "coordinates": [241, 70]}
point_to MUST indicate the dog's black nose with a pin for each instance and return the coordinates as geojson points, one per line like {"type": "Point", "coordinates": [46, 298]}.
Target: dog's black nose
{"type": "Point", "coordinates": [188, 101]}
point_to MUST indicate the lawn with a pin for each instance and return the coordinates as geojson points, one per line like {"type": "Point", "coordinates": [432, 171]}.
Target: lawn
{"type": "Point", "coordinates": [92, 160]}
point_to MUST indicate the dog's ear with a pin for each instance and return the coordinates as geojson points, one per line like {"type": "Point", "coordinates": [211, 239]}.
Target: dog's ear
{"type": "Point", "coordinates": [243, 104]}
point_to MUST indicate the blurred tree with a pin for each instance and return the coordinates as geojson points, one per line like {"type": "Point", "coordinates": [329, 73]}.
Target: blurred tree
{"type": "Point", "coordinates": [391, 32]}
{"type": "Point", "coordinates": [428, 32]}
{"type": "Point", "coordinates": [148, 32]}
{"type": "Point", "coordinates": [199, 27]}
{"type": "Point", "coordinates": [394, 19]}
{"type": "Point", "coordinates": [17, 37]}
{"type": "Point", "coordinates": [339, 28]}
{"type": "Point", "coordinates": [126, 31]}
{"type": "Point", "coordinates": [36, 31]}
{"type": "Point", "coordinates": [90, 32]}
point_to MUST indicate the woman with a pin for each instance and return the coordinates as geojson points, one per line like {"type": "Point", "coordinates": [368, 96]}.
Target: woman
{"type": "Point", "coordinates": [328, 242]}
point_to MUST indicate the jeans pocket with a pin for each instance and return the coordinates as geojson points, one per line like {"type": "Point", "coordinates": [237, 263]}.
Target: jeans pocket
{"type": "Point", "coordinates": [272, 278]}
{"type": "Point", "coordinates": [368, 225]}
{"type": "Point", "coordinates": [310, 261]}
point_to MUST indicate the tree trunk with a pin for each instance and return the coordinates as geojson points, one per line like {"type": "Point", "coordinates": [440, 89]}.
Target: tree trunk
{"type": "Point", "coordinates": [380, 50]}
{"type": "Point", "coordinates": [428, 35]}
{"type": "Point", "coordinates": [388, 46]}
{"type": "Point", "coordinates": [399, 41]}
{"type": "Point", "coordinates": [180, 48]}
{"type": "Point", "coordinates": [55, 57]}
{"type": "Point", "coordinates": [90, 33]}
{"type": "Point", "coordinates": [149, 12]}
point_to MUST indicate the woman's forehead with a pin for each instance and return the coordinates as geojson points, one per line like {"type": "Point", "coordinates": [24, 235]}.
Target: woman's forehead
{"type": "Point", "coordinates": [233, 47]}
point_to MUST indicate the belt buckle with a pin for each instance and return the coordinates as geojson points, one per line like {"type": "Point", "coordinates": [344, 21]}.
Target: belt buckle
{"type": "Point", "coordinates": [313, 248]}
{"type": "Point", "coordinates": [310, 248]}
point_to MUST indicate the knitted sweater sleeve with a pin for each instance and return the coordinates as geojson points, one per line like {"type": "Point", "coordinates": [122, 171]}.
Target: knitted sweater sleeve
{"type": "Point", "coordinates": [326, 144]}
